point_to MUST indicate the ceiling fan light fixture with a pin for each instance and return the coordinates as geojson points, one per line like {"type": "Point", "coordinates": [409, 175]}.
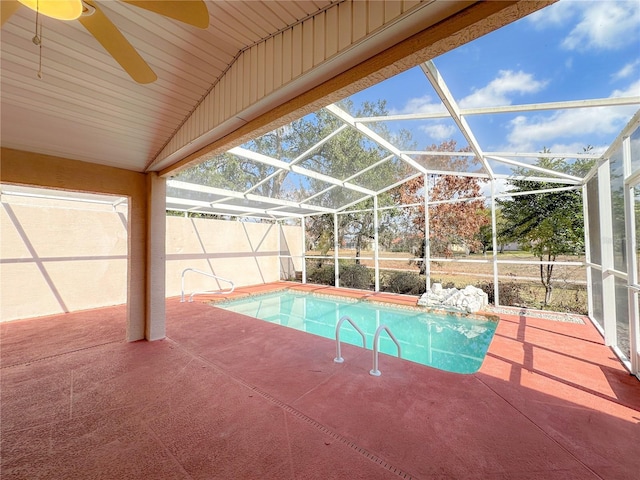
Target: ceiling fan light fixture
{"type": "Point", "coordinates": [58, 9]}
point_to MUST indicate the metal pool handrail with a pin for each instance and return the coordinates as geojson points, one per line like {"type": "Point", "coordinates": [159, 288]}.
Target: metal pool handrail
{"type": "Point", "coordinates": [207, 291]}
{"type": "Point", "coordinates": [376, 339]}
{"type": "Point", "coordinates": [339, 358]}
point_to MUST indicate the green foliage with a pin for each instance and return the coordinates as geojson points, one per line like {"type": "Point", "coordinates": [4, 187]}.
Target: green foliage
{"type": "Point", "coordinates": [546, 224]}
{"type": "Point", "coordinates": [355, 276]}
{"type": "Point", "coordinates": [351, 276]}
{"type": "Point", "coordinates": [407, 283]}
{"type": "Point", "coordinates": [322, 275]}
{"type": "Point", "coordinates": [344, 155]}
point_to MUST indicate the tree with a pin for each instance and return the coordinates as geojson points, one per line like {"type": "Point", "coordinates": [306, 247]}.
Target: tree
{"type": "Point", "coordinates": [485, 236]}
{"type": "Point", "coordinates": [346, 154]}
{"type": "Point", "coordinates": [342, 157]}
{"type": "Point", "coordinates": [450, 223]}
{"type": "Point", "coordinates": [546, 224]}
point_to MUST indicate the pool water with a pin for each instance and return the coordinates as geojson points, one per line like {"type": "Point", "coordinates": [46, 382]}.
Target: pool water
{"type": "Point", "coordinates": [448, 342]}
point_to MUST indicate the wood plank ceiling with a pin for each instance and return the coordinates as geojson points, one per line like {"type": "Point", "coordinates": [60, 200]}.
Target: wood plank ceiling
{"type": "Point", "coordinates": [86, 107]}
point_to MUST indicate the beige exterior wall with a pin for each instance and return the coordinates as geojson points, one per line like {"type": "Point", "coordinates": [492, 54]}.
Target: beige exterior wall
{"type": "Point", "coordinates": [290, 251]}
{"type": "Point", "coordinates": [243, 252]}
{"type": "Point", "coordinates": [60, 257]}
{"type": "Point", "coordinates": [26, 168]}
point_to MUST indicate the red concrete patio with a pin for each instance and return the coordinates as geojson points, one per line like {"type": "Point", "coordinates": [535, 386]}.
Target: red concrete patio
{"type": "Point", "coordinates": [226, 396]}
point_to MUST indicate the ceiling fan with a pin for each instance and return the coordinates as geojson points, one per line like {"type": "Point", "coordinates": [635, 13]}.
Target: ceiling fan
{"type": "Point", "coordinates": [87, 12]}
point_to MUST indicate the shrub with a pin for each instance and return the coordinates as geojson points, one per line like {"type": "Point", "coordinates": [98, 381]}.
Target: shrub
{"type": "Point", "coordinates": [355, 276]}
{"type": "Point", "coordinates": [510, 293]}
{"type": "Point", "coordinates": [408, 283]}
{"type": "Point", "coordinates": [323, 275]}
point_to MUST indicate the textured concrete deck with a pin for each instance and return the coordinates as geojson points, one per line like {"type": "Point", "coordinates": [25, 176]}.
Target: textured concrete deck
{"type": "Point", "coordinates": [230, 397]}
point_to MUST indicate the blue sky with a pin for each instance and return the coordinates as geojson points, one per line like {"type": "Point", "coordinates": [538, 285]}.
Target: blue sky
{"type": "Point", "coordinates": [572, 50]}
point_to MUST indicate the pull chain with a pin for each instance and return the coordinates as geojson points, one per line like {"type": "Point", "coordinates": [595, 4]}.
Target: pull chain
{"type": "Point", "coordinates": [37, 38]}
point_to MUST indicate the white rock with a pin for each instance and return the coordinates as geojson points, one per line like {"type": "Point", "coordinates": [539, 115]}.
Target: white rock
{"type": "Point", "coordinates": [470, 299]}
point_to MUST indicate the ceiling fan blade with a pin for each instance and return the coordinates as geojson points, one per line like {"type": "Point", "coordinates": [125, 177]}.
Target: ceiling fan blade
{"type": "Point", "coordinates": [193, 12]}
{"type": "Point", "coordinates": [7, 8]}
{"type": "Point", "coordinates": [117, 45]}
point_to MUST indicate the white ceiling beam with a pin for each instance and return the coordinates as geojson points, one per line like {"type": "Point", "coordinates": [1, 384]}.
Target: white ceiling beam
{"type": "Point", "coordinates": [305, 154]}
{"type": "Point", "coordinates": [349, 120]}
{"type": "Point", "coordinates": [544, 155]}
{"type": "Point", "coordinates": [370, 167]}
{"type": "Point", "coordinates": [233, 208]}
{"type": "Point", "coordinates": [400, 182]}
{"type": "Point", "coordinates": [459, 174]}
{"type": "Point", "coordinates": [566, 105]}
{"type": "Point", "coordinates": [264, 159]}
{"type": "Point", "coordinates": [300, 157]}
{"type": "Point", "coordinates": [536, 192]}
{"type": "Point", "coordinates": [535, 168]}
{"type": "Point", "coordinates": [436, 153]}
{"type": "Point", "coordinates": [439, 85]}
{"type": "Point", "coordinates": [193, 187]}
{"type": "Point", "coordinates": [355, 175]}
{"type": "Point", "coordinates": [285, 203]}
{"type": "Point", "coordinates": [531, 107]}
{"type": "Point", "coordinates": [317, 194]}
{"type": "Point", "coordinates": [260, 158]}
{"type": "Point", "coordinates": [502, 176]}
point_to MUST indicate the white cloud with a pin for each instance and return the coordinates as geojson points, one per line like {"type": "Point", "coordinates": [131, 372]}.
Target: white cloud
{"type": "Point", "coordinates": [439, 131]}
{"type": "Point", "coordinates": [500, 186]}
{"type": "Point", "coordinates": [530, 134]}
{"type": "Point", "coordinates": [496, 92]}
{"type": "Point", "coordinates": [632, 91]}
{"type": "Point", "coordinates": [558, 14]}
{"type": "Point", "coordinates": [424, 104]}
{"type": "Point", "coordinates": [626, 71]}
{"type": "Point", "coordinates": [597, 24]}
{"type": "Point", "coordinates": [604, 25]}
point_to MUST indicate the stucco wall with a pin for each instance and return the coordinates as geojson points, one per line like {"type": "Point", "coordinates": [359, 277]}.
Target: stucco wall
{"type": "Point", "coordinates": [290, 251]}
{"type": "Point", "coordinates": [57, 258]}
{"type": "Point", "coordinates": [60, 256]}
{"type": "Point", "coordinates": [243, 252]}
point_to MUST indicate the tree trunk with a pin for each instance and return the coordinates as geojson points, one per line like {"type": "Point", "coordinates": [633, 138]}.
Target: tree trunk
{"type": "Point", "coordinates": [546, 273]}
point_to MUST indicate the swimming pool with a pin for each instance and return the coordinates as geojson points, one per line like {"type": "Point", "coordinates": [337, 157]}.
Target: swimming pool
{"type": "Point", "coordinates": [445, 341]}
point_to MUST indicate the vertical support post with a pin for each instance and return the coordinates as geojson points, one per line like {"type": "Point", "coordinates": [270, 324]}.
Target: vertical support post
{"type": "Point", "coordinates": [494, 241]}
{"type": "Point", "coordinates": [427, 242]}
{"type": "Point", "coordinates": [304, 249]}
{"type": "Point", "coordinates": [281, 269]}
{"type": "Point", "coordinates": [336, 268]}
{"type": "Point", "coordinates": [587, 248]}
{"type": "Point", "coordinates": [606, 242]}
{"type": "Point", "coordinates": [156, 257]}
{"type": "Point", "coordinates": [632, 265]}
{"type": "Point", "coordinates": [376, 254]}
